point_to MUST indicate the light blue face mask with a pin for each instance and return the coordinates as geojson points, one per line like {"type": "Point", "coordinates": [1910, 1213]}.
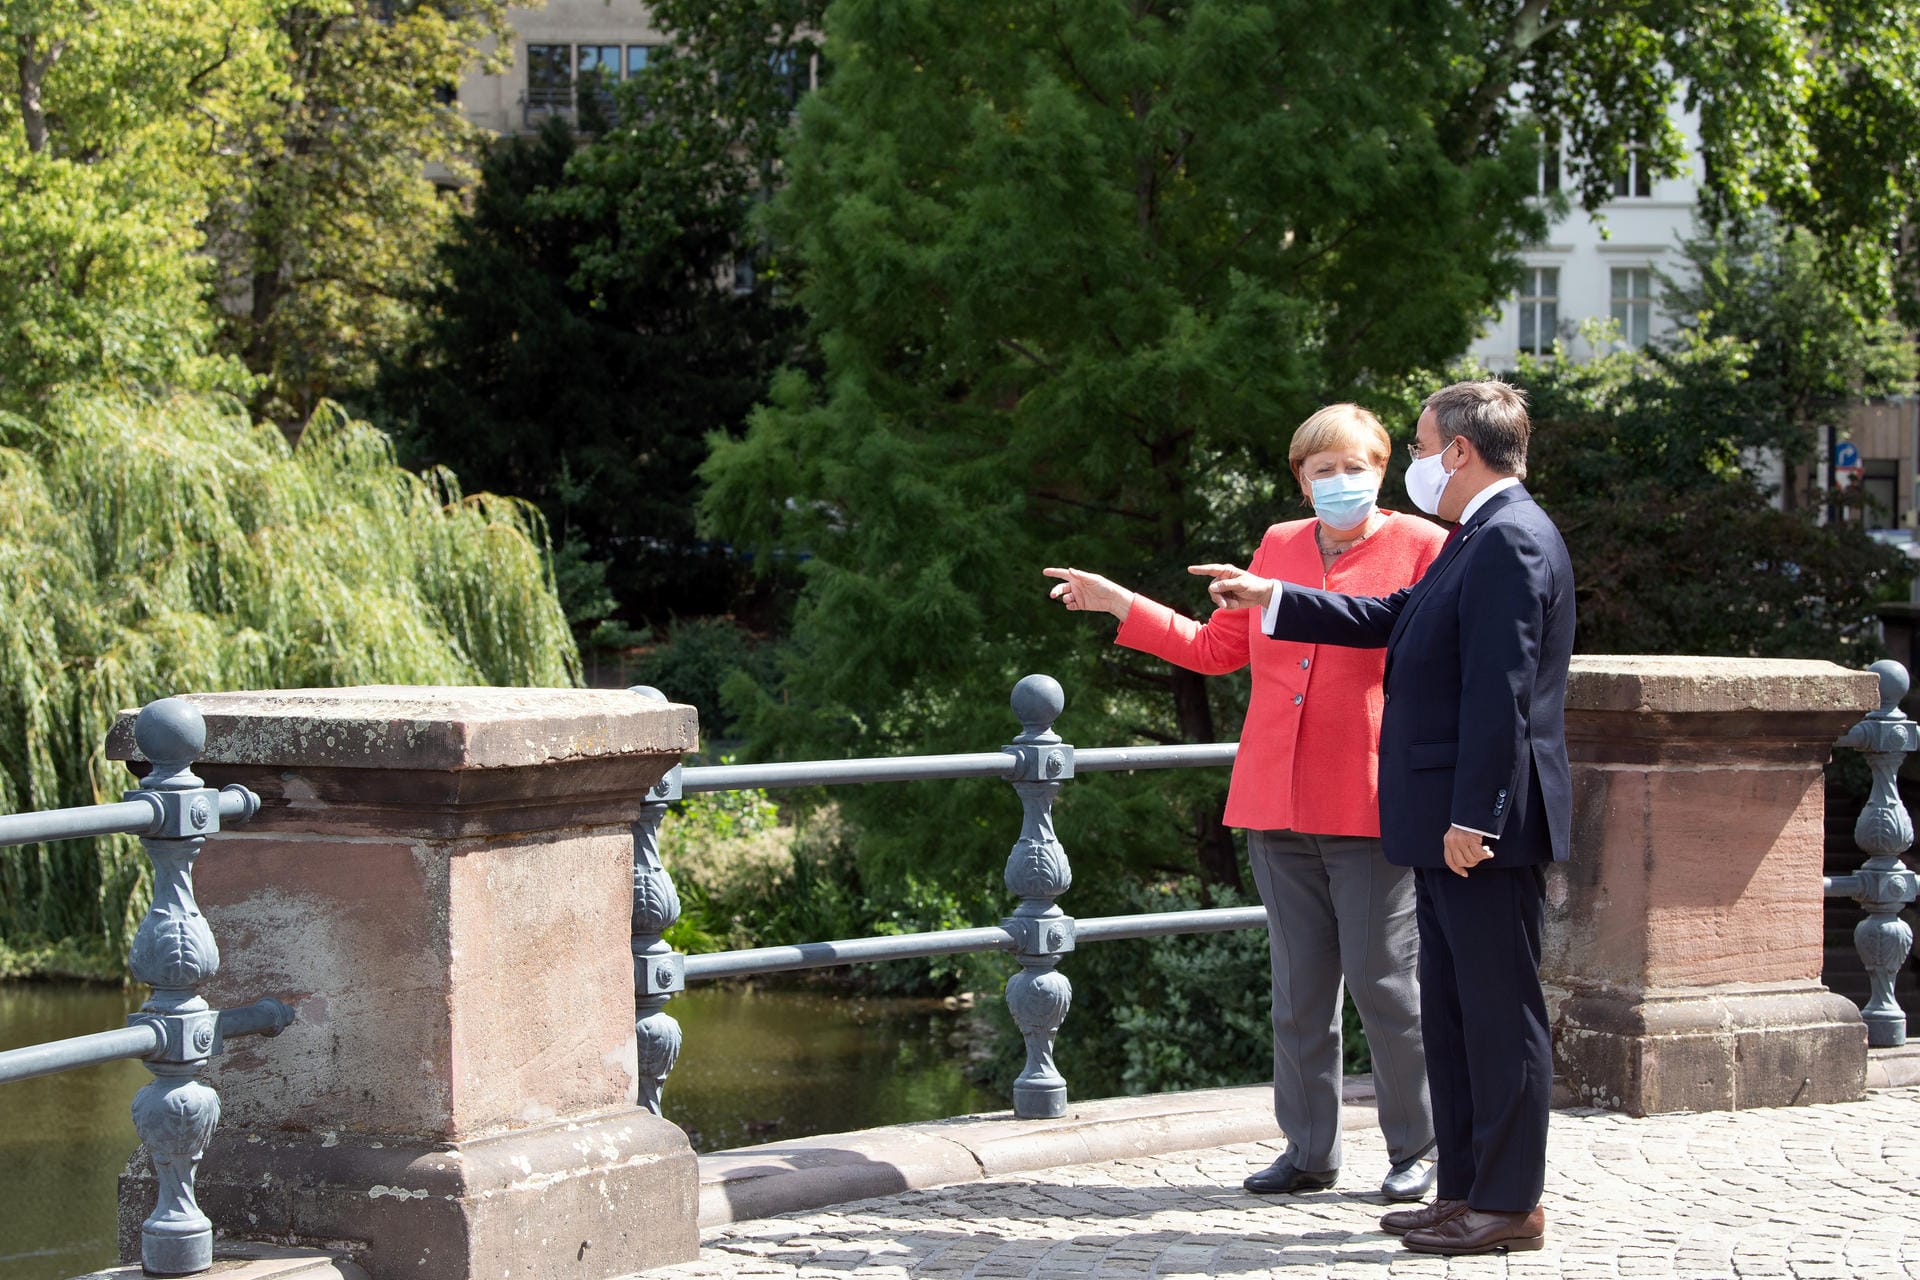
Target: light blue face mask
{"type": "Point", "coordinates": [1345, 501]}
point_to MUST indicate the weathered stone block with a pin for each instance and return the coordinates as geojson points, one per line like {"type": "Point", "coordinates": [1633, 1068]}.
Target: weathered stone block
{"type": "Point", "coordinates": [1684, 941]}
{"type": "Point", "coordinates": [440, 883]}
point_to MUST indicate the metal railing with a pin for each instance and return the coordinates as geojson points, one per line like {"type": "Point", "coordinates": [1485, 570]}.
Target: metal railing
{"type": "Point", "coordinates": [1883, 886]}
{"type": "Point", "coordinates": [173, 951]}
{"type": "Point", "coordinates": [1037, 934]}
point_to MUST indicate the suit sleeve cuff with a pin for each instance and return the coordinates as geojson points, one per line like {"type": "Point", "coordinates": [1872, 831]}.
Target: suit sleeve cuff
{"type": "Point", "coordinates": [1272, 610]}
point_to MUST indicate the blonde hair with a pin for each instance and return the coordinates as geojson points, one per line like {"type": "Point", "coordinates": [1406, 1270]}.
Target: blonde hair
{"type": "Point", "coordinates": [1335, 426]}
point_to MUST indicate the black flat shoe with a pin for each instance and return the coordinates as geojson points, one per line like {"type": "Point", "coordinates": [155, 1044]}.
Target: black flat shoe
{"type": "Point", "coordinates": [1281, 1177]}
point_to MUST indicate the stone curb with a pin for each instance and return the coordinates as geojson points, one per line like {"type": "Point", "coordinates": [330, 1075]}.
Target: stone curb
{"type": "Point", "coordinates": [809, 1173]}
{"type": "Point", "coordinates": [239, 1260]}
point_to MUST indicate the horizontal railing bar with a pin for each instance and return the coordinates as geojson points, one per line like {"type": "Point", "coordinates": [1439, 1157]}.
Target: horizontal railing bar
{"type": "Point", "coordinates": [1196, 755]}
{"type": "Point", "coordinates": [1841, 886]}
{"type": "Point", "coordinates": [974, 764]}
{"type": "Point", "coordinates": [79, 1051]}
{"type": "Point", "coordinates": [947, 942]}
{"type": "Point", "coordinates": [122, 817]}
{"type": "Point", "coordinates": [139, 1040]}
{"type": "Point", "coordinates": [810, 773]}
{"type": "Point", "coordinates": [1160, 923]}
{"type": "Point", "coordinates": [817, 955]}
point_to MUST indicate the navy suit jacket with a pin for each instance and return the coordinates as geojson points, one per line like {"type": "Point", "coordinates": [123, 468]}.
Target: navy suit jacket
{"type": "Point", "coordinates": [1474, 728]}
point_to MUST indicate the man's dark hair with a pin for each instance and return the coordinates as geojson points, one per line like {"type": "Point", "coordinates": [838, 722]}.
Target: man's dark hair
{"type": "Point", "coordinates": [1492, 414]}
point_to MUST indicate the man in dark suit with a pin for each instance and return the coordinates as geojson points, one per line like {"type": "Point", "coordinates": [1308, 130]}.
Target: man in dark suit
{"type": "Point", "coordinates": [1475, 795]}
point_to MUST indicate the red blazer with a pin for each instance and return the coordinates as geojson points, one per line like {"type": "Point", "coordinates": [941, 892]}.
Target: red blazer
{"type": "Point", "coordinates": [1310, 749]}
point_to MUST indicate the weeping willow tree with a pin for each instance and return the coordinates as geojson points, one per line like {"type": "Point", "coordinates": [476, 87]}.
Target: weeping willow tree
{"type": "Point", "coordinates": [150, 547]}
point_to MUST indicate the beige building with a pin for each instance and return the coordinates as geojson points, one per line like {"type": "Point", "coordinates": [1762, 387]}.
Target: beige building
{"type": "Point", "coordinates": [561, 54]}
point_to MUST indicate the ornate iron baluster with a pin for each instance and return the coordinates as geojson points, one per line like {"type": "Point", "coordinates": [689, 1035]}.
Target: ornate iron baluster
{"type": "Point", "coordinates": [1883, 885]}
{"type": "Point", "coordinates": [658, 970]}
{"type": "Point", "coordinates": [174, 952]}
{"type": "Point", "coordinates": [1037, 872]}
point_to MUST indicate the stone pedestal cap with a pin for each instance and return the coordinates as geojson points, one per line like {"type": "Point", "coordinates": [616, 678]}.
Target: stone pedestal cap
{"type": "Point", "coordinates": [427, 728]}
{"type": "Point", "coordinates": [1681, 685]}
{"type": "Point", "coordinates": [427, 762]}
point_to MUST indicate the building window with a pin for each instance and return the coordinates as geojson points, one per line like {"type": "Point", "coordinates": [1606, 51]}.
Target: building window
{"type": "Point", "coordinates": [599, 70]}
{"type": "Point", "coordinates": [1880, 479]}
{"type": "Point", "coordinates": [1549, 171]}
{"type": "Point", "coordinates": [1539, 310]}
{"type": "Point", "coordinates": [637, 57]}
{"type": "Point", "coordinates": [1635, 182]}
{"type": "Point", "coordinates": [550, 76]}
{"type": "Point", "coordinates": [1633, 304]}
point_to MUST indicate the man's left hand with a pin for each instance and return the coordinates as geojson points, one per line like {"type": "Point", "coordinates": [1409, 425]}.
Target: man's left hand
{"type": "Point", "coordinates": [1464, 849]}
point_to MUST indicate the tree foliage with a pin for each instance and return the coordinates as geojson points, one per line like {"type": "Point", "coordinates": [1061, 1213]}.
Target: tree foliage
{"type": "Point", "coordinates": [332, 227]}
{"type": "Point", "coordinates": [1074, 273]}
{"type": "Point", "coordinates": [111, 120]}
{"type": "Point", "coordinates": [1812, 344]}
{"type": "Point", "coordinates": [595, 318]}
{"type": "Point", "coordinates": [150, 547]}
{"type": "Point", "coordinates": [1653, 463]}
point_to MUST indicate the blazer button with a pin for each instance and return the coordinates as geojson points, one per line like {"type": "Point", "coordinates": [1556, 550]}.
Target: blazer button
{"type": "Point", "coordinates": [1304, 662]}
{"type": "Point", "coordinates": [1298, 698]}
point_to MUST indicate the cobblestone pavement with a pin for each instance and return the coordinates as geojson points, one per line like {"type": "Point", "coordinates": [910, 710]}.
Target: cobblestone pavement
{"type": "Point", "coordinates": [1808, 1193]}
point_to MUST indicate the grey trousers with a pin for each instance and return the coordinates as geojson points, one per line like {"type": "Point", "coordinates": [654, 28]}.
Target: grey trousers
{"type": "Point", "coordinates": [1336, 907]}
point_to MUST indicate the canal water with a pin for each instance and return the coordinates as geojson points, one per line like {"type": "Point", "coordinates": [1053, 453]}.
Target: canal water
{"type": "Point", "coordinates": [759, 1064]}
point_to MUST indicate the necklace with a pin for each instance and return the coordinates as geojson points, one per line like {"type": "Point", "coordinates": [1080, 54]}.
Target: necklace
{"type": "Point", "coordinates": [1320, 539]}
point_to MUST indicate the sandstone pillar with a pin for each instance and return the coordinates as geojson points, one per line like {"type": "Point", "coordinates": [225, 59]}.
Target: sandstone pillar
{"type": "Point", "coordinates": [1684, 937]}
{"type": "Point", "coordinates": [440, 883]}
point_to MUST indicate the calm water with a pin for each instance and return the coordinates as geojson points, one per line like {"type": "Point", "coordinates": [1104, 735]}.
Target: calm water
{"type": "Point", "coordinates": [758, 1065]}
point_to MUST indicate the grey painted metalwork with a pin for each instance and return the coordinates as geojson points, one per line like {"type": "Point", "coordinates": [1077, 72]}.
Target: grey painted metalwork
{"type": "Point", "coordinates": [173, 951]}
{"type": "Point", "coordinates": [1177, 756]}
{"type": "Point", "coordinates": [1037, 873]}
{"type": "Point", "coordinates": [821, 955]}
{"type": "Point", "coordinates": [1160, 924]}
{"type": "Point", "coordinates": [1883, 886]}
{"type": "Point", "coordinates": [141, 1040]}
{"type": "Point", "coordinates": [1038, 933]}
{"type": "Point", "coordinates": [658, 970]}
{"type": "Point", "coordinates": [142, 815]}
{"type": "Point", "coordinates": [815, 773]}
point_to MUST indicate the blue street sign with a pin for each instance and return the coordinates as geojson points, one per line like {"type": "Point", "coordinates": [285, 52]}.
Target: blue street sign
{"type": "Point", "coordinates": [1846, 456]}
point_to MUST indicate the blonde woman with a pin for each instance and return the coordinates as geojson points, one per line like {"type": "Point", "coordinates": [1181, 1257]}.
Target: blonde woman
{"type": "Point", "coordinates": [1305, 789]}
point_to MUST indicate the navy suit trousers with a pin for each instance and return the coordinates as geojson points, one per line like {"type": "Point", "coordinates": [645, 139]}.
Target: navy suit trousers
{"type": "Point", "coordinates": [1489, 1053]}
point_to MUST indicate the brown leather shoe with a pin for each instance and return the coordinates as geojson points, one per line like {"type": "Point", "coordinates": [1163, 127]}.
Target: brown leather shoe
{"type": "Point", "coordinates": [1477, 1231]}
{"type": "Point", "coordinates": [1401, 1221]}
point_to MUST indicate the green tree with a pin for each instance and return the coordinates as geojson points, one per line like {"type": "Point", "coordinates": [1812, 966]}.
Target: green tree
{"type": "Point", "coordinates": [110, 131]}
{"type": "Point", "coordinates": [596, 316]}
{"type": "Point", "coordinates": [1813, 344]}
{"type": "Point", "coordinates": [324, 239]}
{"type": "Point", "coordinates": [1650, 462]}
{"type": "Point", "coordinates": [154, 546]}
{"type": "Point", "coordinates": [1075, 272]}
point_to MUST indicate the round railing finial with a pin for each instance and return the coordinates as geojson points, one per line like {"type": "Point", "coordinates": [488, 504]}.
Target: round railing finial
{"type": "Point", "coordinates": [1894, 683]}
{"type": "Point", "coordinates": [648, 691]}
{"type": "Point", "coordinates": [171, 733]}
{"type": "Point", "coordinates": [1037, 702]}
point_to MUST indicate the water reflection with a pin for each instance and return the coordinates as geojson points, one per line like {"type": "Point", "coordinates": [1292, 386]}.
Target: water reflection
{"type": "Point", "coordinates": [64, 1138]}
{"type": "Point", "coordinates": [761, 1064]}
{"type": "Point", "coordinates": [758, 1064]}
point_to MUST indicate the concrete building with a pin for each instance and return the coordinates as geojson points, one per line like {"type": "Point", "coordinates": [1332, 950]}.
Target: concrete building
{"type": "Point", "coordinates": [562, 51]}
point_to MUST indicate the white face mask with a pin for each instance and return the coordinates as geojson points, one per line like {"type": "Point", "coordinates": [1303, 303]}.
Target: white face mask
{"type": "Point", "coordinates": [1427, 479]}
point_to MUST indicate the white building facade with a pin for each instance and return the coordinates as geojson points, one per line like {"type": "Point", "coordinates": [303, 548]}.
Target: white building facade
{"type": "Point", "coordinates": [1599, 266]}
